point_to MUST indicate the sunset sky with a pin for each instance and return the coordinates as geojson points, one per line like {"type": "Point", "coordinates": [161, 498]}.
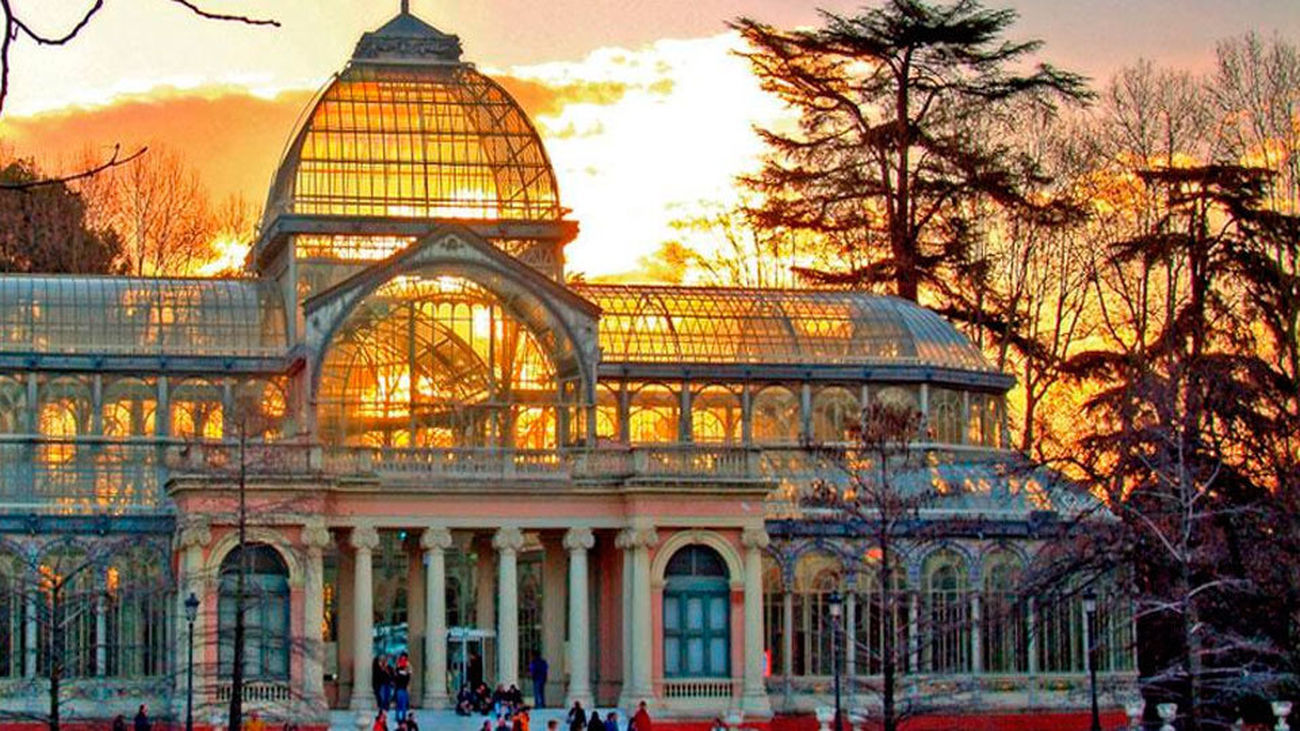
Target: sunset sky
{"type": "Point", "coordinates": [644, 111]}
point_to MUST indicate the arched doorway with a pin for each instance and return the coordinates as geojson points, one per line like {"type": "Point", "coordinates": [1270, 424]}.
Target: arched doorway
{"type": "Point", "coordinates": [697, 615]}
{"type": "Point", "coordinates": [266, 613]}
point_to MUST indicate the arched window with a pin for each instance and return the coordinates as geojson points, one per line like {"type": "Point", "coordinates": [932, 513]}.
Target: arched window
{"type": "Point", "coordinates": [130, 408]}
{"type": "Point", "coordinates": [197, 410]}
{"type": "Point", "coordinates": [266, 614]}
{"type": "Point", "coordinates": [816, 576]}
{"type": "Point", "coordinates": [773, 615]}
{"type": "Point", "coordinates": [947, 631]}
{"type": "Point", "coordinates": [63, 414]}
{"type": "Point", "coordinates": [876, 612]}
{"type": "Point", "coordinates": [1005, 630]}
{"type": "Point", "coordinates": [776, 416]}
{"type": "Point", "coordinates": [715, 416]}
{"type": "Point", "coordinates": [13, 647]}
{"type": "Point", "coordinates": [607, 426]}
{"type": "Point", "coordinates": [1058, 627]}
{"type": "Point", "coordinates": [835, 412]}
{"type": "Point", "coordinates": [697, 615]}
{"type": "Point", "coordinates": [897, 397]}
{"type": "Point", "coordinates": [13, 402]}
{"type": "Point", "coordinates": [944, 420]}
{"type": "Point", "coordinates": [654, 415]}
{"type": "Point", "coordinates": [136, 601]}
{"type": "Point", "coordinates": [68, 591]}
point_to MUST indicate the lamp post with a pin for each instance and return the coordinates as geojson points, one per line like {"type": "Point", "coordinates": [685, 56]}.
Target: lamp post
{"type": "Point", "coordinates": [191, 613]}
{"type": "Point", "coordinates": [1090, 615]}
{"type": "Point", "coordinates": [836, 605]}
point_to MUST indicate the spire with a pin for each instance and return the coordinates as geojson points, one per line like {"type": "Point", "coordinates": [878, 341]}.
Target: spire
{"type": "Point", "coordinates": [406, 7]}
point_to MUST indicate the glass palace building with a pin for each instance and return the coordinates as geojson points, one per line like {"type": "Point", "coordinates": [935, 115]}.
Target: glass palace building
{"type": "Point", "coordinates": [448, 449]}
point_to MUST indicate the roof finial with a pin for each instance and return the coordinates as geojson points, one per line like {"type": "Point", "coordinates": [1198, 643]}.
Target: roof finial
{"type": "Point", "coordinates": [406, 7]}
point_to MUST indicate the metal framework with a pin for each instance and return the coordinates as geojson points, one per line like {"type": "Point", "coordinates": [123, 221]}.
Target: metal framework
{"type": "Point", "coordinates": [716, 325]}
{"type": "Point", "coordinates": [133, 316]}
{"type": "Point", "coordinates": [437, 141]}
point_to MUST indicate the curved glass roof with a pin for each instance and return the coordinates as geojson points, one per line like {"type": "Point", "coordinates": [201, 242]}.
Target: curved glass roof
{"type": "Point", "coordinates": [662, 324]}
{"type": "Point", "coordinates": [409, 131]}
{"type": "Point", "coordinates": [140, 317]}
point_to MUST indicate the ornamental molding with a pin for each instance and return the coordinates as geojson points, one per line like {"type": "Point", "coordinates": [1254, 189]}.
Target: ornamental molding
{"type": "Point", "coordinates": [316, 536]}
{"type": "Point", "coordinates": [196, 533]}
{"type": "Point", "coordinates": [579, 539]}
{"type": "Point", "coordinates": [436, 538]}
{"type": "Point", "coordinates": [637, 538]}
{"type": "Point", "coordinates": [364, 538]}
{"type": "Point", "coordinates": [508, 539]}
{"type": "Point", "coordinates": [755, 538]}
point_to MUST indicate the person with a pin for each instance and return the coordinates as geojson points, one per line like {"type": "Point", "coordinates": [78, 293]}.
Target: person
{"type": "Point", "coordinates": [611, 721]}
{"type": "Point", "coordinates": [402, 685]}
{"type": "Point", "coordinates": [475, 670]}
{"type": "Point", "coordinates": [594, 723]}
{"type": "Point", "coordinates": [483, 699]}
{"type": "Point", "coordinates": [502, 723]}
{"type": "Point", "coordinates": [577, 718]}
{"type": "Point", "coordinates": [254, 722]}
{"type": "Point", "coordinates": [553, 725]}
{"type": "Point", "coordinates": [465, 701]}
{"type": "Point", "coordinates": [515, 696]}
{"type": "Point", "coordinates": [538, 670]}
{"type": "Point", "coordinates": [119, 723]}
{"type": "Point", "coordinates": [379, 681]}
{"type": "Point", "coordinates": [718, 725]}
{"type": "Point", "coordinates": [525, 719]}
{"type": "Point", "coordinates": [381, 721]}
{"type": "Point", "coordinates": [642, 718]}
{"type": "Point", "coordinates": [142, 718]}
{"type": "Point", "coordinates": [487, 725]}
{"type": "Point", "coordinates": [411, 725]}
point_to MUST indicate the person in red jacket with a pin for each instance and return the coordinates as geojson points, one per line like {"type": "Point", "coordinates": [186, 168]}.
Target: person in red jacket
{"type": "Point", "coordinates": [641, 721]}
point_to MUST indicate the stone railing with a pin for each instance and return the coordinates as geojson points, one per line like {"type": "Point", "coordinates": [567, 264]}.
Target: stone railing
{"type": "Point", "coordinates": [257, 691]}
{"type": "Point", "coordinates": [697, 688]}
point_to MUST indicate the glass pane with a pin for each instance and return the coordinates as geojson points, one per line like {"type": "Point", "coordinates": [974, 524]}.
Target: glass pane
{"type": "Point", "coordinates": [695, 656]}
{"type": "Point", "coordinates": [717, 656]}
{"type": "Point", "coordinates": [672, 656]}
{"type": "Point", "coordinates": [671, 614]}
{"type": "Point", "coordinates": [694, 613]}
{"type": "Point", "coordinates": [718, 613]}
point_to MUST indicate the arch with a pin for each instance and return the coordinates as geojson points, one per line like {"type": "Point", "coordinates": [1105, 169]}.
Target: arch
{"type": "Point", "coordinates": [1004, 621]}
{"type": "Point", "coordinates": [716, 415]}
{"type": "Point", "coordinates": [654, 415]}
{"type": "Point", "coordinates": [63, 413]}
{"type": "Point", "coordinates": [266, 615]}
{"type": "Point", "coordinates": [607, 413]}
{"type": "Point", "coordinates": [944, 423]}
{"type": "Point", "coordinates": [13, 406]}
{"type": "Point", "coordinates": [197, 409]}
{"type": "Point", "coordinates": [945, 578]}
{"type": "Point", "coordinates": [228, 542]}
{"type": "Point", "coordinates": [696, 613]}
{"type": "Point", "coordinates": [680, 539]}
{"type": "Point", "coordinates": [68, 573]}
{"type": "Point", "coordinates": [775, 415]}
{"type": "Point", "coordinates": [835, 412]}
{"type": "Point", "coordinates": [129, 407]}
{"type": "Point", "coordinates": [13, 615]}
{"type": "Point", "coordinates": [138, 592]}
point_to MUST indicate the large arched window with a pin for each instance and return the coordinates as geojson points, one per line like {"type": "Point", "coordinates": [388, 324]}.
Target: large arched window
{"type": "Point", "coordinates": [63, 414]}
{"type": "Point", "coordinates": [881, 616]}
{"type": "Point", "coordinates": [68, 592]}
{"type": "Point", "coordinates": [835, 412]}
{"type": "Point", "coordinates": [944, 420]}
{"type": "Point", "coordinates": [136, 600]}
{"type": "Point", "coordinates": [947, 631]}
{"type": "Point", "coordinates": [654, 415]}
{"type": "Point", "coordinates": [715, 416]}
{"type": "Point", "coordinates": [198, 409]}
{"type": "Point", "coordinates": [266, 613]}
{"type": "Point", "coordinates": [1005, 630]}
{"type": "Point", "coordinates": [816, 576]}
{"type": "Point", "coordinates": [437, 361]}
{"type": "Point", "coordinates": [12, 618]}
{"type": "Point", "coordinates": [130, 408]}
{"type": "Point", "coordinates": [775, 416]}
{"type": "Point", "coordinates": [697, 615]}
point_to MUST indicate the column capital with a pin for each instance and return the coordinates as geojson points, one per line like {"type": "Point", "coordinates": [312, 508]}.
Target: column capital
{"type": "Point", "coordinates": [755, 538]}
{"type": "Point", "coordinates": [195, 533]}
{"type": "Point", "coordinates": [435, 538]}
{"type": "Point", "coordinates": [315, 534]}
{"type": "Point", "coordinates": [364, 538]}
{"type": "Point", "coordinates": [579, 539]}
{"type": "Point", "coordinates": [637, 538]}
{"type": "Point", "coordinates": [508, 539]}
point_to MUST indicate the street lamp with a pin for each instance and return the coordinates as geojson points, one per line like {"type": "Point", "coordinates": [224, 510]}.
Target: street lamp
{"type": "Point", "coordinates": [191, 613]}
{"type": "Point", "coordinates": [836, 605]}
{"type": "Point", "coordinates": [1090, 615]}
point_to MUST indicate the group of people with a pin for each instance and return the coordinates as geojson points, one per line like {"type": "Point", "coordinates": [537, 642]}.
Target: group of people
{"type": "Point", "coordinates": [578, 720]}
{"type": "Point", "coordinates": [391, 683]}
{"type": "Point", "coordinates": [478, 699]}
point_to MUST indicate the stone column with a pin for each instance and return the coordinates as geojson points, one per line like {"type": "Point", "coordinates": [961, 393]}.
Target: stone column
{"type": "Point", "coordinates": [194, 536]}
{"type": "Point", "coordinates": [316, 537]}
{"type": "Point", "coordinates": [976, 644]}
{"type": "Point", "coordinates": [485, 586]}
{"type": "Point", "coordinates": [435, 542]}
{"type": "Point", "coordinates": [364, 540]}
{"type": "Point", "coordinates": [754, 701]}
{"type": "Point", "coordinates": [1031, 643]}
{"type": "Point", "coordinates": [508, 541]}
{"type": "Point", "coordinates": [578, 541]}
{"type": "Point", "coordinates": [29, 631]}
{"type": "Point", "coordinates": [640, 686]}
{"type": "Point", "coordinates": [626, 633]}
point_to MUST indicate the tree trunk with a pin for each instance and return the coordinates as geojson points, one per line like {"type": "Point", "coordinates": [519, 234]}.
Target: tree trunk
{"type": "Point", "coordinates": [237, 668]}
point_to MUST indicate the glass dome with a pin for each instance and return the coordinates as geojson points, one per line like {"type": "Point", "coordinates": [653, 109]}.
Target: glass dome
{"type": "Point", "coordinates": [407, 130]}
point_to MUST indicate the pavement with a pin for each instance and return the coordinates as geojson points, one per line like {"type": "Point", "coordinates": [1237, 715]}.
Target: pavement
{"type": "Point", "coordinates": [449, 721]}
